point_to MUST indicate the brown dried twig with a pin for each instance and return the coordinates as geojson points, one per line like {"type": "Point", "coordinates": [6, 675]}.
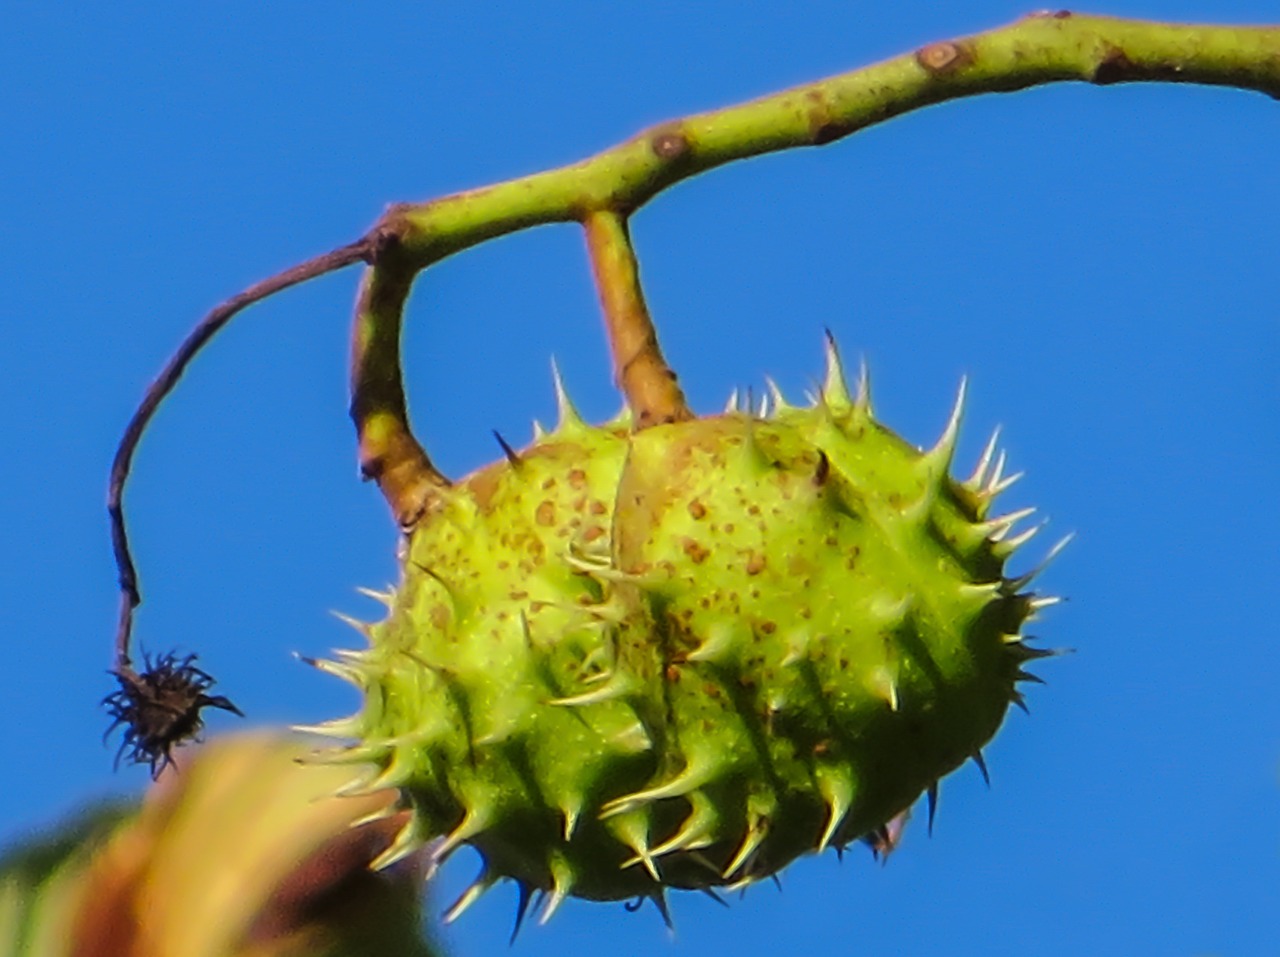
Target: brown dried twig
{"type": "Point", "coordinates": [134, 687]}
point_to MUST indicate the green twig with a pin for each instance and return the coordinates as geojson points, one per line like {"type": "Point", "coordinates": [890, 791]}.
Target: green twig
{"type": "Point", "coordinates": [1036, 50]}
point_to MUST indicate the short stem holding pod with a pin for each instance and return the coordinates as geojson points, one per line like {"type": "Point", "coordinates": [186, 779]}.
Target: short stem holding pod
{"type": "Point", "coordinates": [646, 381]}
{"type": "Point", "coordinates": [389, 453]}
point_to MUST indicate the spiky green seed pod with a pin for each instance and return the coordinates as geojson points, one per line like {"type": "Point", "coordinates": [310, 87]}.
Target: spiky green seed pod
{"type": "Point", "coordinates": [679, 658]}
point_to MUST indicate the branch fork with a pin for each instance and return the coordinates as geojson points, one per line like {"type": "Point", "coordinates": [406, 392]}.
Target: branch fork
{"type": "Point", "coordinates": [601, 192]}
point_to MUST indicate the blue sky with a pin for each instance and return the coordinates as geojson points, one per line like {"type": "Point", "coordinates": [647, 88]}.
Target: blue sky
{"type": "Point", "coordinates": [1099, 262]}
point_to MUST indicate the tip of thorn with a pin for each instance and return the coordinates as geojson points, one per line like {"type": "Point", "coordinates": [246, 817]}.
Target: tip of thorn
{"type": "Point", "coordinates": [981, 762]}
{"type": "Point", "coordinates": [511, 454]}
{"type": "Point", "coordinates": [944, 449]}
{"type": "Point", "coordinates": [776, 398]}
{"type": "Point", "coordinates": [835, 391]}
{"type": "Point", "coordinates": [355, 623]}
{"type": "Point", "coordinates": [567, 413]}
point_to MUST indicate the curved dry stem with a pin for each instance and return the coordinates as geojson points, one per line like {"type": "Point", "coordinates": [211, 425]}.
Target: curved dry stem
{"type": "Point", "coordinates": [206, 329]}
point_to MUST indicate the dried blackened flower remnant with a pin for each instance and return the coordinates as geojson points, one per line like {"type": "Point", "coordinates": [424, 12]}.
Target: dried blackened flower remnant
{"type": "Point", "coordinates": [160, 708]}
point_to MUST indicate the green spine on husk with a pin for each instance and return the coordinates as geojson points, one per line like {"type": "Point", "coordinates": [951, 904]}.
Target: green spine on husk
{"type": "Point", "coordinates": [620, 662]}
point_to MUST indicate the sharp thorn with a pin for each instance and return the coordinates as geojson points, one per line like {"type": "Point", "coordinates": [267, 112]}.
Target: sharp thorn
{"type": "Point", "coordinates": [357, 624]}
{"type": "Point", "coordinates": [1012, 586]}
{"type": "Point", "coordinates": [335, 668]}
{"type": "Point", "coordinates": [468, 897]}
{"type": "Point", "coordinates": [981, 762]}
{"type": "Point", "coordinates": [690, 779]}
{"type": "Point", "coordinates": [984, 460]}
{"type": "Point", "coordinates": [472, 823]}
{"type": "Point", "coordinates": [862, 397]}
{"type": "Point", "coordinates": [838, 795]}
{"type": "Point", "coordinates": [1000, 527]}
{"type": "Point", "coordinates": [567, 414]}
{"type": "Point", "coordinates": [823, 470]}
{"type": "Point", "coordinates": [561, 884]}
{"type": "Point", "coordinates": [570, 821]}
{"type": "Point", "coordinates": [659, 898]}
{"type": "Point", "coordinates": [1024, 652]}
{"type": "Point", "coordinates": [835, 392]}
{"type": "Point", "coordinates": [338, 728]}
{"type": "Point", "coordinates": [995, 488]}
{"type": "Point", "coordinates": [1046, 601]}
{"type": "Point", "coordinates": [885, 687]}
{"type": "Point", "coordinates": [877, 840]}
{"type": "Point", "coordinates": [996, 473]}
{"type": "Point", "coordinates": [405, 842]}
{"type": "Point", "coordinates": [388, 810]}
{"type": "Point", "coordinates": [775, 394]}
{"type": "Point", "coordinates": [714, 896]}
{"type": "Point", "coordinates": [554, 900]}
{"type": "Point", "coordinates": [750, 843]}
{"type": "Point", "coordinates": [619, 685]}
{"type": "Point", "coordinates": [694, 831]}
{"type": "Point", "coordinates": [1013, 544]}
{"type": "Point", "coordinates": [635, 834]}
{"type": "Point", "coordinates": [385, 597]}
{"type": "Point", "coordinates": [944, 449]}
{"type": "Point", "coordinates": [512, 456]}
{"type": "Point", "coordinates": [522, 909]}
